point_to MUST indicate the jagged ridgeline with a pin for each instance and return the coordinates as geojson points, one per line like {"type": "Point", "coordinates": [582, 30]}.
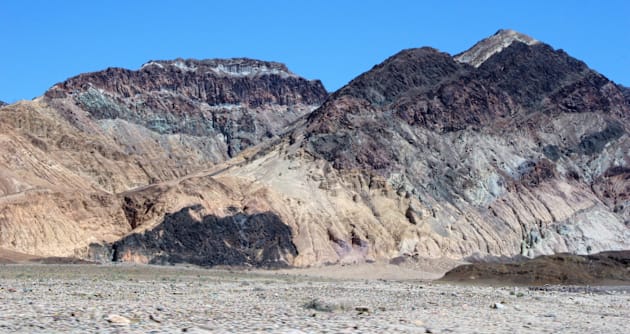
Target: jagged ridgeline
{"type": "Point", "coordinates": [235, 103]}
{"type": "Point", "coordinates": [511, 147]}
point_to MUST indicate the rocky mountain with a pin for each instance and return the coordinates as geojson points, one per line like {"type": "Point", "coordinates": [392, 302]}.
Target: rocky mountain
{"type": "Point", "coordinates": [516, 145]}
{"type": "Point", "coordinates": [166, 120]}
{"type": "Point", "coordinates": [2, 103]}
{"type": "Point", "coordinates": [523, 150]}
{"type": "Point", "coordinates": [512, 147]}
{"type": "Point", "coordinates": [237, 102]}
{"type": "Point", "coordinates": [66, 156]}
{"type": "Point", "coordinates": [218, 106]}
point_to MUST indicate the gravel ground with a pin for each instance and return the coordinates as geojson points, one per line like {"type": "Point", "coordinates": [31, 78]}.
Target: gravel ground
{"type": "Point", "coordinates": [149, 299]}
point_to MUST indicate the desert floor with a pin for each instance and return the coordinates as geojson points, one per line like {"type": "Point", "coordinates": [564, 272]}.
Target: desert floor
{"type": "Point", "coordinates": [386, 299]}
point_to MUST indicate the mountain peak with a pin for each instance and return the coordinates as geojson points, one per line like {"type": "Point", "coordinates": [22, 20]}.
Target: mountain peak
{"type": "Point", "coordinates": [489, 46]}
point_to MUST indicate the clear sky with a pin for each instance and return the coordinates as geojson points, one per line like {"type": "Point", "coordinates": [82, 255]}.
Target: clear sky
{"type": "Point", "coordinates": [44, 42]}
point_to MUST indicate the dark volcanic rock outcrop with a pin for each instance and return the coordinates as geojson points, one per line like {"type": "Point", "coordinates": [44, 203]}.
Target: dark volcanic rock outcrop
{"type": "Point", "coordinates": [595, 269]}
{"type": "Point", "coordinates": [261, 240]}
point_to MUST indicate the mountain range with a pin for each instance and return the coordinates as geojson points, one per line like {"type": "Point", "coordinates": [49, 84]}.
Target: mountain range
{"type": "Point", "coordinates": [509, 148]}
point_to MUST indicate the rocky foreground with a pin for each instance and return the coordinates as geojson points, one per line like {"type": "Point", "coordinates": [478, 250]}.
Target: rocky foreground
{"type": "Point", "coordinates": [149, 299]}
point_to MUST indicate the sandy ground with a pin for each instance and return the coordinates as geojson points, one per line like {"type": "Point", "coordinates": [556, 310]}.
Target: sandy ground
{"type": "Point", "coordinates": [149, 299]}
{"type": "Point", "coordinates": [419, 269]}
{"type": "Point", "coordinates": [8, 256]}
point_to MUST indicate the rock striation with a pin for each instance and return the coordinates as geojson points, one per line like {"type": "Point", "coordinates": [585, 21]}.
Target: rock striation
{"type": "Point", "coordinates": [231, 104]}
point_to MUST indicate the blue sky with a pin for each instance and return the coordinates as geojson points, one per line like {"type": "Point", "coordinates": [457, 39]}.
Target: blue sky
{"type": "Point", "coordinates": [44, 42]}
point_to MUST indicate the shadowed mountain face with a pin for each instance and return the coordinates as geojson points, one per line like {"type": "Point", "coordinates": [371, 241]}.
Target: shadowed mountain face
{"type": "Point", "coordinates": [2, 103]}
{"type": "Point", "coordinates": [185, 237]}
{"type": "Point", "coordinates": [511, 147]}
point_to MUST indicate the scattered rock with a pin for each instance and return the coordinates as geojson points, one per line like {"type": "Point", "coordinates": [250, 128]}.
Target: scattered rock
{"type": "Point", "coordinates": [118, 319]}
{"type": "Point", "coordinates": [362, 310]}
{"type": "Point", "coordinates": [498, 306]}
{"type": "Point", "coordinates": [418, 323]}
{"type": "Point", "coordinates": [318, 305]}
{"type": "Point", "coordinates": [222, 305]}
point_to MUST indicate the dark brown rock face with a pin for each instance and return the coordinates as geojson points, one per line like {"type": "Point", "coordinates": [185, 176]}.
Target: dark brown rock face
{"type": "Point", "coordinates": [517, 87]}
{"type": "Point", "coordinates": [613, 188]}
{"type": "Point", "coordinates": [237, 101]}
{"type": "Point", "coordinates": [260, 240]}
